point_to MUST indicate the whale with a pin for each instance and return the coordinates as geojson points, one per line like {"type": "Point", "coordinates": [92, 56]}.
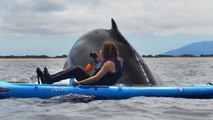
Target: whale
{"type": "Point", "coordinates": [135, 71]}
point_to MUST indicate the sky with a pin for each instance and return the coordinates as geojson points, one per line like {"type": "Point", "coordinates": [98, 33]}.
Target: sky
{"type": "Point", "coordinates": [51, 27]}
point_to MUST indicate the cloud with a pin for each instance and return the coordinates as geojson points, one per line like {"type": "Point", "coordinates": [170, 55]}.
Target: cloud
{"type": "Point", "coordinates": [64, 17]}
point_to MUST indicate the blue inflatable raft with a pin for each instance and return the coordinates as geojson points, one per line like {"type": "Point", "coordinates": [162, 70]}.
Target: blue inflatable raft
{"type": "Point", "coordinates": [23, 90]}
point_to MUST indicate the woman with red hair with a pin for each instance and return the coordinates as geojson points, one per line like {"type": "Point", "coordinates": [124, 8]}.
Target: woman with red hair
{"type": "Point", "coordinates": [107, 72]}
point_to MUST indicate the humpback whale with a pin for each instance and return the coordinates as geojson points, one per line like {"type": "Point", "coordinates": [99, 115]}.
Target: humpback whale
{"type": "Point", "coordinates": [135, 71]}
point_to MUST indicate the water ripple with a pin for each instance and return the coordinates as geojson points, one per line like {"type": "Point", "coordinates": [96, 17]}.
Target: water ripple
{"type": "Point", "coordinates": [75, 107]}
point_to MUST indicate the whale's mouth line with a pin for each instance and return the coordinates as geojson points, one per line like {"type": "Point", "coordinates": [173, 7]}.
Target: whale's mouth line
{"type": "Point", "coordinates": [141, 65]}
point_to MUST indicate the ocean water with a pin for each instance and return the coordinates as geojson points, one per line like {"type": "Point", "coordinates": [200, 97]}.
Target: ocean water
{"type": "Point", "coordinates": [173, 71]}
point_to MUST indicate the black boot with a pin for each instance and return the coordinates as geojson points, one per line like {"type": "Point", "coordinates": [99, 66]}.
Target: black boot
{"type": "Point", "coordinates": [39, 75]}
{"type": "Point", "coordinates": [47, 77]}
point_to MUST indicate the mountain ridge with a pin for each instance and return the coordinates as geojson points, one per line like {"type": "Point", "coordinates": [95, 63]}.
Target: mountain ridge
{"type": "Point", "coordinates": [196, 49]}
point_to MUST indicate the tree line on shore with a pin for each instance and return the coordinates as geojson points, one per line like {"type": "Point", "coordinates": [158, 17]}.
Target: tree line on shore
{"type": "Point", "coordinates": [184, 55]}
{"type": "Point", "coordinates": [65, 56]}
{"type": "Point", "coordinates": [33, 56]}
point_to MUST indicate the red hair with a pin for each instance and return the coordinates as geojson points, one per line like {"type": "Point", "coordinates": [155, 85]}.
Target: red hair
{"type": "Point", "coordinates": [109, 50]}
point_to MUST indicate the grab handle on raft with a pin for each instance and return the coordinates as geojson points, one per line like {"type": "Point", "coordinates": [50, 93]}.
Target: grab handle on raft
{"type": "Point", "coordinates": [71, 81]}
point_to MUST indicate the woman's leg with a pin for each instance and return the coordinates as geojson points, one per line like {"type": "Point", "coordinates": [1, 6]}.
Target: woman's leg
{"type": "Point", "coordinates": [72, 72]}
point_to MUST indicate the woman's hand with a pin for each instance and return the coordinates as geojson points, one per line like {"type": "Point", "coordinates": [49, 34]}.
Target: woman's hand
{"type": "Point", "coordinates": [75, 83]}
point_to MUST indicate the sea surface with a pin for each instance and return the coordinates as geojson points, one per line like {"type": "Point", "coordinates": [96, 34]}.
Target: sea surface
{"type": "Point", "coordinates": [173, 71]}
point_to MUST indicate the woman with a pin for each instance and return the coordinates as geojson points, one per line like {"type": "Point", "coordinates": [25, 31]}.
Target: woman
{"type": "Point", "coordinates": [107, 72]}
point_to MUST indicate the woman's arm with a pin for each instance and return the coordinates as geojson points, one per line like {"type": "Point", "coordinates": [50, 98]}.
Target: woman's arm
{"type": "Point", "coordinates": [107, 67]}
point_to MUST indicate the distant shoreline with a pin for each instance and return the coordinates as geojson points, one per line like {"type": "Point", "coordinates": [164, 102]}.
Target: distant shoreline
{"type": "Point", "coordinates": [178, 58]}
{"type": "Point", "coordinates": [62, 57]}
{"type": "Point", "coordinates": [32, 58]}
{"type": "Point", "coordinates": [143, 57]}
{"type": "Point", "coordinates": [184, 55]}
